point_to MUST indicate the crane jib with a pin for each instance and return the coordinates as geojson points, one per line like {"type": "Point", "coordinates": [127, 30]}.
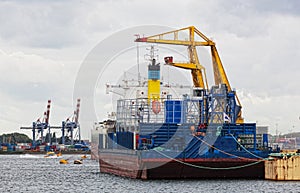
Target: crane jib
{"type": "Point", "coordinates": [197, 70]}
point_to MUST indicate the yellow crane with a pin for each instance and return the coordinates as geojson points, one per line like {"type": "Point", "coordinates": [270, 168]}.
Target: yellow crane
{"type": "Point", "coordinates": [197, 70]}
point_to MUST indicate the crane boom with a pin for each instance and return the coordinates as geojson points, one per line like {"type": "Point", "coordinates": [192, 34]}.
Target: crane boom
{"type": "Point", "coordinates": [197, 70]}
{"type": "Point", "coordinates": [220, 76]}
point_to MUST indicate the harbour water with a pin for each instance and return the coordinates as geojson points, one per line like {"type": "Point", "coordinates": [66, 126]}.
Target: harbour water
{"type": "Point", "coordinates": [34, 173]}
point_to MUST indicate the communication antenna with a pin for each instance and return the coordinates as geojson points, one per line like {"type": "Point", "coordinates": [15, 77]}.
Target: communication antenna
{"type": "Point", "coordinates": [138, 59]}
{"type": "Point", "coordinates": [152, 54]}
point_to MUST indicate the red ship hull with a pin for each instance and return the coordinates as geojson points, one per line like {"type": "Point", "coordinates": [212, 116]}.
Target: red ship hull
{"type": "Point", "coordinates": [159, 168]}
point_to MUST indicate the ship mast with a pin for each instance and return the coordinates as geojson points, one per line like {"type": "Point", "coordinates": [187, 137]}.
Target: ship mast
{"type": "Point", "coordinates": [138, 60]}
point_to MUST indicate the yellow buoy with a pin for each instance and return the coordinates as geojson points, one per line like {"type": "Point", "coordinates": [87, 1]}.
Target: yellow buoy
{"type": "Point", "coordinates": [63, 161]}
{"type": "Point", "coordinates": [49, 154]}
{"type": "Point", "coordinates": [78, 161]}
{"type": "Point", "coordinates": [59, 154]}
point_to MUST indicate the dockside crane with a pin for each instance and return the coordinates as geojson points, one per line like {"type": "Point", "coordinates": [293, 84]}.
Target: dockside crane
{"type": "Point", "coordinates": [197, 70]}
{"type": "Point", "coordinates": [40, 125]}
{"type": "Point", "coordinates": [70, 124]}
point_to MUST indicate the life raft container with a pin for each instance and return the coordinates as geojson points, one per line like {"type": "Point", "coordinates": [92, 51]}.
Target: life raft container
{"type": "Point", "coordinates": [156, 106]}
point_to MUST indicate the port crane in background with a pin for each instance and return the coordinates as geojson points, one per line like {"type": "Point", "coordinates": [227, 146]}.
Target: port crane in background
{"type": "Point", "coordinates": [71, 124]}
{"type": "Point", "coordinates": [39, 126]}
{"type": "Point", "coordinates": [197, 70]}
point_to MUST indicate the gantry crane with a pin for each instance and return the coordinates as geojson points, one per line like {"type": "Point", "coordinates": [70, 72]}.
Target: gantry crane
{"type": "Point", "coordinates": [40, 126]}
{"type": "Point", "coordinates": [197, 70]}
{"type": "Point", "coordinates": [70, 124]}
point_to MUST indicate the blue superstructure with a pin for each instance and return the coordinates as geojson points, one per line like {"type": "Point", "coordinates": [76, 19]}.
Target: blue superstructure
{"type": "Point", "coordinates": [201, 125]}
{"type": "Point", "coordinates": [197, 134]}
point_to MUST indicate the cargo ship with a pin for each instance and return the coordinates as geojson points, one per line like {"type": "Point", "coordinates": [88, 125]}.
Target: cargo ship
{"type": "Point", "coordinates": [159, 134]}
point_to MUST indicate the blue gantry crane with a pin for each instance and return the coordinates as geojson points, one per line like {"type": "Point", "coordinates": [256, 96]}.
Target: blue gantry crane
{"type": "Point", "coordinates": [70, 125]}
{"type": "Point", "coordinates": [39, 126]}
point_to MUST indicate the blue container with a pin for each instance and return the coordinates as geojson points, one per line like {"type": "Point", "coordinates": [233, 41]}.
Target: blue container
{"type": "Point", "coordinates": [265, 140]}
{"type": "Point", "coordinates": [78, 145]}
{"type": "Point", "coordinates": [47, 148]}
{"type": "Point", "coordinates": [125, 140]}
{"type": "Point", "coordinates": [173, 109]}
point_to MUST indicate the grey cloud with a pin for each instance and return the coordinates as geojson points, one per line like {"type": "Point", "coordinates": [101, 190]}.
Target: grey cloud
{"type": "Point", "coordinates": [257, 41]}
{"type": "Point", "coordinates": [34, 91]}
{"type": "Point", "coordinates": [243, 18]}
{"type": "Point", "coordinates": [51, 24]}
{"type": "Point", "coordinates": [260, 7]}
{"type": "Point", "coordinates": [290, 7]}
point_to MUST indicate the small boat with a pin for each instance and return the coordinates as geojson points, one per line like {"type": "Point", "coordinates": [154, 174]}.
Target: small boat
{"type": "Point", "coordinates": [50, 154]}
{"type": "Point", "coordinates": [78, 161]}
{"type": "Point", "coordinates": [59, 154]}
{"type": "Point", "coordinates": [84, 156]}
{"type": "Point", "coordinates": [63, 161]}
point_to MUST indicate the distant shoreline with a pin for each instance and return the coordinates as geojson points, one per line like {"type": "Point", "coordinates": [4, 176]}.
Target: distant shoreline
{"type": "Point", "coordinates": [42, 152]}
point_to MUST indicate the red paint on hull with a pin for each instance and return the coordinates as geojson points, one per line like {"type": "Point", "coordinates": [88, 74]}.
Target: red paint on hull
{"type": "Point", "coordinates": [131, 166]}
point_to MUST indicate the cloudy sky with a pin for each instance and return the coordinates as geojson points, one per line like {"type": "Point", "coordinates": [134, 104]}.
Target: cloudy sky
{"type": "Point", "coordinates": [44, 43]}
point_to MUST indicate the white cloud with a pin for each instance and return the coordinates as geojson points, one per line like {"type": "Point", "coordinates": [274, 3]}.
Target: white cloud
{"type": "Point", "coordinates": [43, 43]}
{"type": "Point", "coordinates": [31, 77]}
{"type": "Point", "coordinates": [270, 110]}
{"type": "Point", "coordinates": [27, 82]}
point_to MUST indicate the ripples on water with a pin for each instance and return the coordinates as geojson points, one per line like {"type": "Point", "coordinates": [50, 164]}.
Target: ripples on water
{"type": "Point", "coordinates": [38, 174]}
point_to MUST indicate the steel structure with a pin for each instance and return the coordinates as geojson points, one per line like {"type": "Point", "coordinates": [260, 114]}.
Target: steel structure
{"type": "Point", "coordinates": [201, 134]}
{"type": "Point", "coordinates": [39, 126]}
{"type": "Point", "coordinates": [71, 124]}
{"type": "Point", "coordinates": [197, 70]}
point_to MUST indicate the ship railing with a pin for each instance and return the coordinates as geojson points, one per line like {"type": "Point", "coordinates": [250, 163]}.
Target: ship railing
{"type": "Point", "coordinates": [132, 112]}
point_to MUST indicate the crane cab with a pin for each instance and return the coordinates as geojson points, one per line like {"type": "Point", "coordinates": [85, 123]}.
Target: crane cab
{"type": "Point", "coordinates": [168, 59]}
{"type": "Point", "coordinates": [198, 92]}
